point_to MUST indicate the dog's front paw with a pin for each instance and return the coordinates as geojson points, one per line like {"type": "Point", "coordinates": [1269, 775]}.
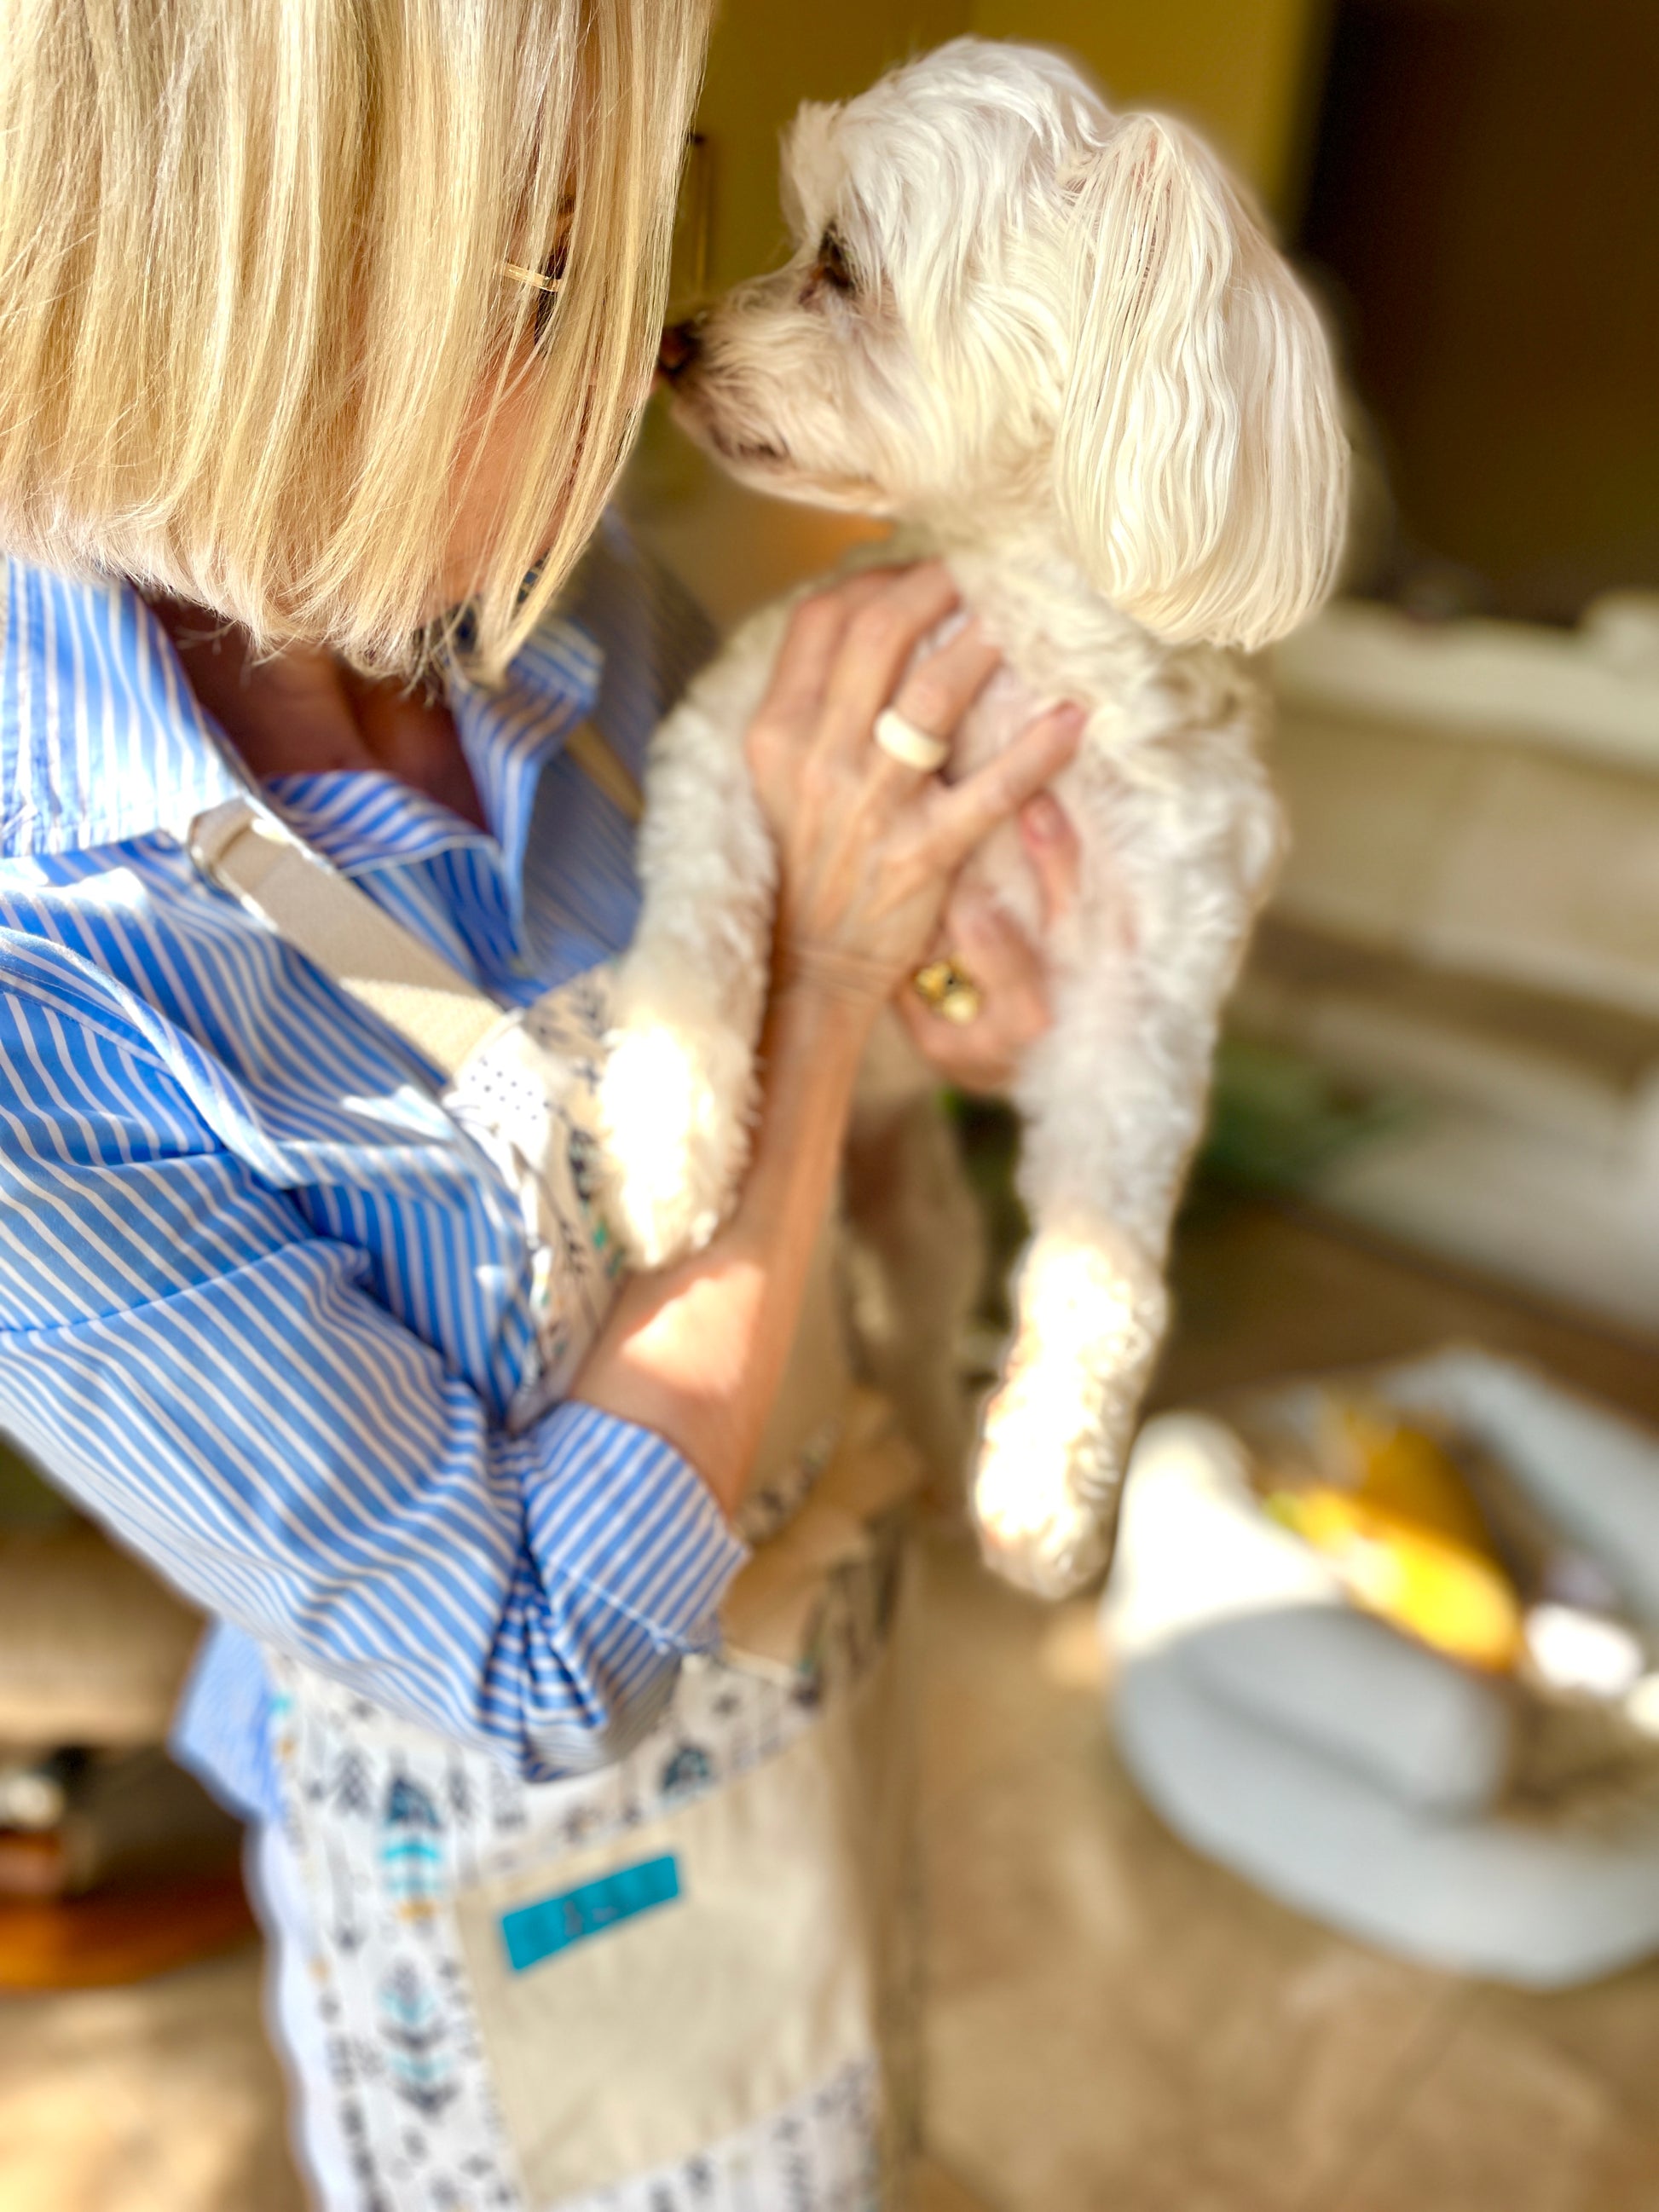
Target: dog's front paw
{"type": "Point", "coordinates": [674, 1123]}
{"type": "Point", "coordinates": [1057, 1431]}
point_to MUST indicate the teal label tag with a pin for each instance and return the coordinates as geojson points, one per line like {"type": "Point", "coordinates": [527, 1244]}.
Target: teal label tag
{"type": "Point", "coordinates": [534, 1932]}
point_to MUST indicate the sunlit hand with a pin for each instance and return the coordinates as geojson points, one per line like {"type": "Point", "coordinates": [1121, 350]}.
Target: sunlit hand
{"type": "Point", "coordinates": [869, 847]}
{"type": "Point", "coordinates": [1008, 968]}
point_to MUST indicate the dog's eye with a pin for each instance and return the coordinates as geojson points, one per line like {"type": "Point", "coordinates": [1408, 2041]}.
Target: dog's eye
{"type": "Point", "coordinates": [832, 267]}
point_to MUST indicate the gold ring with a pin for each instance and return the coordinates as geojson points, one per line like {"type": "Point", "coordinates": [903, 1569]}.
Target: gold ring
{"type": "Point", "coordinates": [950, 991]}
{"type": "Point", "coordinates": [902, 741]}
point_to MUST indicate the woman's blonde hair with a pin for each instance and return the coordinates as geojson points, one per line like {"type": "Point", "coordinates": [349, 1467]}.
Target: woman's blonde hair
{"type": "Point", "coordinates": [253, 311]}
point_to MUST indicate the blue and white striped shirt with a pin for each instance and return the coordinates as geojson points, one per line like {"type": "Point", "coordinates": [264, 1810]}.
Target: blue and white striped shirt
{"type": "Point", "coordinates": [262, 1305]}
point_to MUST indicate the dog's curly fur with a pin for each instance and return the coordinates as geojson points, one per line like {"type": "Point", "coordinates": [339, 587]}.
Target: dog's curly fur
{"type": "Point", "coordinates": [1057, 346]}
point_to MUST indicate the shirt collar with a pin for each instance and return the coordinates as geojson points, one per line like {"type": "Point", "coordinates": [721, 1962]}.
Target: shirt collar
{"type": "Point", "coordinates": [102, 739]}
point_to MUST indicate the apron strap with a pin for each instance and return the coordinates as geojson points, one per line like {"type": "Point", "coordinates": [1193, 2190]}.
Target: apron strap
{"type": "Point", "coordinates": [339, 929]}
{"type": "Point", "coordinates": [246, 848]}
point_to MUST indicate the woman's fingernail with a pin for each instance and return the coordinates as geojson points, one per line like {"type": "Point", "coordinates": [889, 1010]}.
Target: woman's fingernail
{"type": "Point", "coordinates": [1043, 819]}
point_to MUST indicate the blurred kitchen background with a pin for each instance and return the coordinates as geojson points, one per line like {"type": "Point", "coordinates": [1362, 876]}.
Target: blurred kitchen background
{"type": "Point", "coordinates": [1436, 1123]}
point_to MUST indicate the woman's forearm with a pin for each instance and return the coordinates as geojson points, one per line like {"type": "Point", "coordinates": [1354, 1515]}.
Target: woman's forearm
{"type": "Point", "coordinates": [696, 1351]}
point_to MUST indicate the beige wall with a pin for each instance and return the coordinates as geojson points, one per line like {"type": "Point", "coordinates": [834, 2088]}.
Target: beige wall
{"type": "Point", "coordinates": [770, 55]}
{"type": "Point", "coordinates": [1239, 68]}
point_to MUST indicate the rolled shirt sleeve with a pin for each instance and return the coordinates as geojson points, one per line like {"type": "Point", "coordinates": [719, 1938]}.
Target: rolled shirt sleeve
{"type": "Point", "coordinates": [629, 1558]}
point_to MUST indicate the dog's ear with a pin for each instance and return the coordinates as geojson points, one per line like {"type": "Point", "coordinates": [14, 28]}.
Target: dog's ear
{"type": "Point", "coordinates": [1200, 460]}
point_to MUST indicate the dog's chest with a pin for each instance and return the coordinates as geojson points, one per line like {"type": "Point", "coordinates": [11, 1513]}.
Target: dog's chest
{"type": "Point", "coordinates": [1007, 704]}
{"type": "Point", "coordinates": [1164, 726]}
{"type": "Point", "coordinates": [1002, 710]}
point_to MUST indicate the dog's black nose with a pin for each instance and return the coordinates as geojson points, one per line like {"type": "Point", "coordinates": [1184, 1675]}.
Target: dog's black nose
{"type": "Point", "coordinates": [681, 344]}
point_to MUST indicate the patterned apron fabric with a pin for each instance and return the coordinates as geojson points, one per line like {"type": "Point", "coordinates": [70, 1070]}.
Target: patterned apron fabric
{"type": "Point", "coordinates": [387, 1822]}
{"type": "Point", "coordinates": [528, 1096]}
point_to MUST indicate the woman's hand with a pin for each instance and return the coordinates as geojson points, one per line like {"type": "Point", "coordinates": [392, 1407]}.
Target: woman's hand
{"type": "Point", "coordinates": [868, 845]}
{"type": "Point", "coordinates": [1007, 968]}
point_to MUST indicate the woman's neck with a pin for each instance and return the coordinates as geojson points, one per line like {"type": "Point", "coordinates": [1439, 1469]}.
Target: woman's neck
{"type": "Point", "coordinates": [300, 712]}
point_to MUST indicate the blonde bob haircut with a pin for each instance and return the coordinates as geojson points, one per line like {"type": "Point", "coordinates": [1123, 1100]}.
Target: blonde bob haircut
{"type": "Point", "coordinates": [255, 306]}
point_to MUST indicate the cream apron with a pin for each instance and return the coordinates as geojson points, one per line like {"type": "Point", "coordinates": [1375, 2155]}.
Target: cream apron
{"type": "Point", "coordinates": [684, 1983]}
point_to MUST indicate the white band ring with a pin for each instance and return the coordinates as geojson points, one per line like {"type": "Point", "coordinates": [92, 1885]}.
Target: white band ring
{"type": "Point", "coordinates": [904, 741]}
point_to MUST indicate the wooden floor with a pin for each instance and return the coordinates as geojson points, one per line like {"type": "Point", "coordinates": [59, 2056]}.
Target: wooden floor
{"type": "Point", "coordinates": [1113, 2025]}
{"type": "Point", "coordinates": [1116, 2026]}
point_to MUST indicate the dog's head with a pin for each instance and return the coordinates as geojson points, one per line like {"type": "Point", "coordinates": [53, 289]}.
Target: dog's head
{"type": "Point", "coordinates": [1008, 306]}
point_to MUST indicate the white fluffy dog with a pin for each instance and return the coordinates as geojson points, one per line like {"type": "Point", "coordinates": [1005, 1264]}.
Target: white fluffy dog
{"type": "Point", "coordinates": [1057, 346]}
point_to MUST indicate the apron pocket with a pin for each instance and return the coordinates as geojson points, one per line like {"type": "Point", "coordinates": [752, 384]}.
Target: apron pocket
{"type": "Point", "coordinates": [645, 1998]}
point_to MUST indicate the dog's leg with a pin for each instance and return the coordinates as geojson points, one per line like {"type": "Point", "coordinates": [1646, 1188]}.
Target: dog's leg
{"type": "Point", "coordinates": [677, 1094]}
{"type": "Point", "coordinates": [1115, 1099]}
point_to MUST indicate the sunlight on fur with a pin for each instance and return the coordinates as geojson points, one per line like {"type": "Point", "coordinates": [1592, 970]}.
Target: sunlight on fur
{"type": "Point", "coordinates": [654, 1099]}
